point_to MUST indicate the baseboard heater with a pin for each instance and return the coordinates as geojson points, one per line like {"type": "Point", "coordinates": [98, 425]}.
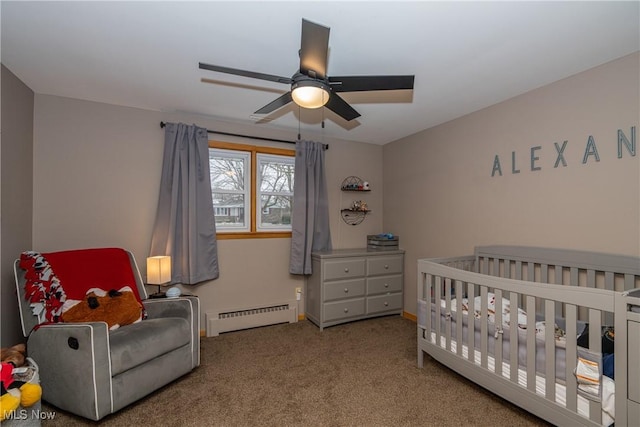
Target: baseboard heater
{"type": "Point", "coordinates": [219, 321]}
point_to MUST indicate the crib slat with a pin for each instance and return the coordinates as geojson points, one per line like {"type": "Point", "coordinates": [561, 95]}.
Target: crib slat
{"type": "Point", "coordinates": [518, 270]}
{"type": "Point", "coordinates": [609, 281]}
{"type": "Point", "coordinates": [531, 272]}
{"type": "Point", "coordinates": [558, 281]}
{"type": "Point", "coordinates": [471, 324]}
{"type": "Point", "coordinates": [573, 276]}
{"type": "Point", "coordinates": [550, 350]}
{"type": "Point", "coordinates": [595, 345]}
{"type": "Point", "coordinates": [428, 289]}
{"type": "Point", "coordinates": [558, 274]}
{"type": "Point", "coordinates": [459, 337]}
{"type": "Point", "coordinates": [629, 281]}
{"type": "Point", "coordinates": [544, 273]}
{"type": "Point", "coordinates": [484, 329]}
{"type": "Point", "coordinates": [591, 278]}
{"type": "Point", "coordinates": [571, 356]}
{"type": "Point", "coordinates": [531, 343]}
{"type": "Point", "coordinates": [609, 284]}
{"type": "Point", "coordinates": [447, 311]}
{"type": "Point", "coordinates": [436, 301]}
{"type": "Point", "coordinates": [497, 349]}
{"type": "Point", "coordinates": [513, 336]}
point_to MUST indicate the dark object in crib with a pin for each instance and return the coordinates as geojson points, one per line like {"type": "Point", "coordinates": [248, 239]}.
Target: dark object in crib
{"type": "Point", "coordinates": [607, 334]}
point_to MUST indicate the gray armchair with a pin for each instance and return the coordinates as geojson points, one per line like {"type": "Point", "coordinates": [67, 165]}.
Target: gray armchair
{"type": "Point", "coordinates": [92, 371]}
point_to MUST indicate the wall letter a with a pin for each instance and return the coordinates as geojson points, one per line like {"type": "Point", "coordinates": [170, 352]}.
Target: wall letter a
{"type": "Point", "coordinates": [590, 150]}
{"type": "Point", "coordinates": [496, 166]}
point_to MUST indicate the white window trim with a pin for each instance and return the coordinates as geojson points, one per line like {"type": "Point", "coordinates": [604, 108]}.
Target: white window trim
{"type": "Point", "coordinates": [246, 158]}
{"type": "Point", "coordinates": [274, 158]}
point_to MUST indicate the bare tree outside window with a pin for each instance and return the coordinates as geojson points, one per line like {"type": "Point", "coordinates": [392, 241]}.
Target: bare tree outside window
{"type": "Point", "coordinates": [229, 185]}
{"type": "Point", "coordinates": [276, 177]}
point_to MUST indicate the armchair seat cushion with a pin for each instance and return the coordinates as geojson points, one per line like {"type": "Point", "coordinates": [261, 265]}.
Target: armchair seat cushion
{"type": "Point", "coordinates": [136, 344]}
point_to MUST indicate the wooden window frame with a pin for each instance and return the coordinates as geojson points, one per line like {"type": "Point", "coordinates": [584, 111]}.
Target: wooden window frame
{"type": "Point", "coordinates": [253, 150]}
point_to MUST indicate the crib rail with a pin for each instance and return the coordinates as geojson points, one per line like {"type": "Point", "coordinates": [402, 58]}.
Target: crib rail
{"type": "Point", "coordinates": [443, 280]}
{"type": "Point", "coordinates": [566, 267]}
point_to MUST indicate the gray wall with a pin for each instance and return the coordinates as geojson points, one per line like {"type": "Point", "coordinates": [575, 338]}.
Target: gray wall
{"type": "Point", "coordinates": [96, 178]}
{"type": "Point", "coordinates": [16, 207]}
{"type": "Point", "coordinates": [441, 199]}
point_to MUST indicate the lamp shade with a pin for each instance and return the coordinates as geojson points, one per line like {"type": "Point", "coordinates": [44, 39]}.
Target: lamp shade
{"type": "Point", "coordinates": [309, 94]}
{"type": "Point", "coordinates": [158, 270]}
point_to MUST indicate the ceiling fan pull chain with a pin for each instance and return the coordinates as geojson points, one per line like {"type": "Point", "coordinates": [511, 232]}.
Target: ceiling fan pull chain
{"type": "Point", "coordinates": [298, 123]}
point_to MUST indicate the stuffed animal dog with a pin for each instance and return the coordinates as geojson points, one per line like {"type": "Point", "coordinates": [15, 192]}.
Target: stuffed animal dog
{"type": "Point", "coordinates": [14, 355]}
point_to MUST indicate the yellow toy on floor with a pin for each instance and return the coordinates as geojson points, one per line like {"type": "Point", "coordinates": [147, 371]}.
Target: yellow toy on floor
{"type": "Point", "coordinates": [14, 391]}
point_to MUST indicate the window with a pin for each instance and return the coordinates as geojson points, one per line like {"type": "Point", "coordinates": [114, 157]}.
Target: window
{"type": "Point", "coordinates": [252, 189]}
{"type": "Point", "coordinates": [275, 192]}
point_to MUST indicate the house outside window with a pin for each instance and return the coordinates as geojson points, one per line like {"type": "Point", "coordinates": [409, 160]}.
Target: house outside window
{"type": "Point", "coordinates": [252, 190]}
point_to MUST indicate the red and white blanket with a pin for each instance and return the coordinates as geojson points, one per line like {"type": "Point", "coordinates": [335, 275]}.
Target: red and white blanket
{"type": "Point", "coordinates": [58, 277]}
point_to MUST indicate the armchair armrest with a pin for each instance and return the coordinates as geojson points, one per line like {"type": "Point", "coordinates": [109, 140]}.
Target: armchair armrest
{"type": "Point", "coordinates": [75, 370]}
{"type": "Point", "coordinates": [187, 307]}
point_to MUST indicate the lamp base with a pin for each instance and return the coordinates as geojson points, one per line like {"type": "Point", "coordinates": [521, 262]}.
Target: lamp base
{"type": "Point", "coordinates": [159, 294]}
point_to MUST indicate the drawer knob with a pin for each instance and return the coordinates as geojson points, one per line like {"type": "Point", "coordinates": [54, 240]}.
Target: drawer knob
{"type": "Point", "coordinates": [386, 285]}
{"type": "Point", "coordinates": [346, 310]}
{"type": "Point", "coordinates": [346, 270]}
{"type": "Point", "coordinates": [386, 267]}
{"type": "Point", "coordinates": [346, 290]}
{"type": "Point", "coordinates": [386, 304]}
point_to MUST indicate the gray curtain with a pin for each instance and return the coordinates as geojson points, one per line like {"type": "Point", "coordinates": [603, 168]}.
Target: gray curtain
{"type": "Point", "coordinates": [310, 218]}
{"type": "Point", "coordinates": [185, 226]}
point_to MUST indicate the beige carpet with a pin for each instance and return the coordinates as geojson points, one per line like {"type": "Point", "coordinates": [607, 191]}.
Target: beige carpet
{"type": "Point", "coordinates": [358, 374]}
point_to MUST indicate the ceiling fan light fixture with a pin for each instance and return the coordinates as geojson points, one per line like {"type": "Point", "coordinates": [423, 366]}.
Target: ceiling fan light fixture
{"type": "Point", "coordinates": [310, 93]}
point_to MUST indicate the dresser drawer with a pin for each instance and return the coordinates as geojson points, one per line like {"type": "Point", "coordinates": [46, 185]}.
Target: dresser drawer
{"type": "Point", "coordinates": [382, 303]}
{"type": "Point", "coordinates": [384, 265]}
{"type": "Point", "coordinates": [384, 284]}
{"type": "Point", "coordinates": [344, 269]}
{"type": "Point", "coordinates": [344, 289]}
{"type": "Point", "coordinates": [343, 309]}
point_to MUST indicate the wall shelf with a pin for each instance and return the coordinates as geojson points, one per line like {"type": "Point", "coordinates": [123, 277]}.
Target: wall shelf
{"type": "Point", "coordinates": [354, 183]}
{"type": "Point", "coordinates": [358, 210]}
{"type": "Point", "coordinates": [352, 216]}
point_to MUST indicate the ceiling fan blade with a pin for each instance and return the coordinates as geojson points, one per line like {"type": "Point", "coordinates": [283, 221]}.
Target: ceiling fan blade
{"type": "Point", "coordinates": [245, 73]}
{"type": "Point", "coordinates": [314, 47]}
{"type": "Point", "coordinates": [365, 83]}
{"type": "Point", "coordinates": [341, 108]}
{"type": "Point", "coordinates": [275, 104]}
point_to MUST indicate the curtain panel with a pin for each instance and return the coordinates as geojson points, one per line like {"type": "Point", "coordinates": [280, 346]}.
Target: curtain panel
{"type": "Point", "coordinates": [185, 226]}
{"type": "Point", "coordinates": [310, 218]}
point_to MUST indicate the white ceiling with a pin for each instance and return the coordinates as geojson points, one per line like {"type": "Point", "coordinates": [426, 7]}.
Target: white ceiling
{"type": "Point", "coordinates": [465, 55]}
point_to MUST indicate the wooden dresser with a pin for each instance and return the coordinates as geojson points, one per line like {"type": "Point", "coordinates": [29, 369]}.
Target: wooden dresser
{"type": "Point", "coordinates": [354, 284]}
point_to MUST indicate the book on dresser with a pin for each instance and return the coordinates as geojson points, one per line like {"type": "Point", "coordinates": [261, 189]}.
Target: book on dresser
{"type": "Point", "coordinates": [354, 284]}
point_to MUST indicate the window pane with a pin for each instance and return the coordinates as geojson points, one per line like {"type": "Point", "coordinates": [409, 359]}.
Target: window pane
{"type": "Point", "coordinates": [276, 177]}
{"type": "Point", "coordinates": [275, 211]}
{"type": "Point", "coordinates": [229, 210]}
{"type": "Point", "coordinates": [227, 173]}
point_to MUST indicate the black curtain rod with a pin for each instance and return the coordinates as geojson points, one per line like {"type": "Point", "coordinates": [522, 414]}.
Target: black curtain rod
{"type": "Point", "coordinates": [326, 146]}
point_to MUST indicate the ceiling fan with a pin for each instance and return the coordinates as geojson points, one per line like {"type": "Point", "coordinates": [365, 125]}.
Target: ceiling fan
{"type": "Point", "coordinates": [311, 87]}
